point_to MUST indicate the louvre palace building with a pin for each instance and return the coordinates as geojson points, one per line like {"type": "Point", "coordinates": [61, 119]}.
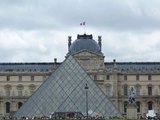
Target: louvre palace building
{"type": "Point", "coordinates": [18, 81]}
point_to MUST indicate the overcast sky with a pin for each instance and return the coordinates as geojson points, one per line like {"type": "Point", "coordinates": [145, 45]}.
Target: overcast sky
{"type": "Point", "coordinates": [38, 30]}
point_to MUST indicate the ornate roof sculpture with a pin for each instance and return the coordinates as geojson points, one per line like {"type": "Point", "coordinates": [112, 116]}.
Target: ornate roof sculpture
{"type": "Point", "coordinates": [65, 91]}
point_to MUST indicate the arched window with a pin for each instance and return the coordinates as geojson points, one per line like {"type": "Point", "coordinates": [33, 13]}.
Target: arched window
{"type": "Point", "coordinates": [150, 105]}
{"type": "Point", "coordinates": [7, 107]}
{"type": "Point", "coordinates": [125, 106]}
{"type": "Point", "coordinates": [19, 104]}
{"type": "Point", "coordinates": [138, 106]}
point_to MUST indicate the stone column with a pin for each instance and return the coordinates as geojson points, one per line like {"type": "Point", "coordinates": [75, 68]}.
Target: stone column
{"type": "Point", "coordinates": [13, 106]}
{"type": "Point", "coordinates": [2, 107]}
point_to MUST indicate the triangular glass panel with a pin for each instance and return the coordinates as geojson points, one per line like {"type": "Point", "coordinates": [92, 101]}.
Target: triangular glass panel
{"type": "Point", "coordinates": [68, 90]}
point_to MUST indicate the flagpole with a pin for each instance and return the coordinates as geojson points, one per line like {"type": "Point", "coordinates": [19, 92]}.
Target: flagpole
{"type": "Point", "coordinates": [83, 24]}
{"type": "Point", "coordinates": [84, 29]}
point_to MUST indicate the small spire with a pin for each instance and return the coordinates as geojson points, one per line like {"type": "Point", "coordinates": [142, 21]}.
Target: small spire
{"type": "Point", "coordinates": [69, 41]}
{"type": "Point", "coordinates": [114, 61]}
{"type": "Point", "coordinates": [55, 60]}
{"type": "Point", "coordinates": [114, 64]}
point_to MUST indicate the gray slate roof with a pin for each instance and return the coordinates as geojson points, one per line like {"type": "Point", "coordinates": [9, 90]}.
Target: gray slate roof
{"type": "Point", "coordinates": [20, 67]}
{"type": "Point", "coordinates": [135, 66]}
{"type": "Point", "coordinates": [44, 67]}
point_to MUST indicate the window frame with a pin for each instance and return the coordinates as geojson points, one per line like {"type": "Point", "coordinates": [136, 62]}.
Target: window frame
{"type": "Point", "coordinates": [107, 77]}
{"type": "Point", "coordinates": [149, 77]}
{"type": "Point", "coordinates": [7, 78]}
{"type": "Point", "coordinates": [125, 90]}
{"type": "Point", "coordinates": [150, 90]}
{"type": "Point", "coordinates": [32, 77]}
{"type": "Point", "coordinates": [20, 78]}
{"type": "Point", "coordinates": [137, 77]}
{"type": "Point", "coordinates": [125, 77]}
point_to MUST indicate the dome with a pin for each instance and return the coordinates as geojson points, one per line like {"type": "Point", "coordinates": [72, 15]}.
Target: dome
{"type": "Point", "coordinates": [84, 42]}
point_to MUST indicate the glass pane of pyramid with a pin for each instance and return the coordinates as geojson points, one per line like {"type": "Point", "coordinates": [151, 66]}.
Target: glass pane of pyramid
{"type": "Point", "coordinates": [65, 91]}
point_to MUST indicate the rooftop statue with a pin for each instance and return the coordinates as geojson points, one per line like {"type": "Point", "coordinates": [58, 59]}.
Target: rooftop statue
{"type": "Point", "coordinates": [131, 95]}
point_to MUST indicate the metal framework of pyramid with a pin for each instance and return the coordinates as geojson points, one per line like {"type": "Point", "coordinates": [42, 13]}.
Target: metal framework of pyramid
{"type": "Point", "coordinates": [64, 91]}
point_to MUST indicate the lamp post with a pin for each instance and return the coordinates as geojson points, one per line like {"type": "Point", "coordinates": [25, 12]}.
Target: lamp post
{"type": "Point", "coordinates": [86, 88]}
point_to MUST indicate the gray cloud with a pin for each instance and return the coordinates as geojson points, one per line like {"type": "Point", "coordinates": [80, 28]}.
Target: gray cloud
{"type": "Point", "coordinates": [58, 14]}
{"type": "Point", "coordinates": [37, 30]}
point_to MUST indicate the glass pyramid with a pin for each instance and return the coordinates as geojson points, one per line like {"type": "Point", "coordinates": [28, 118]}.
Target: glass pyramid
{"type": "Point", "coordinates": [68, 90]}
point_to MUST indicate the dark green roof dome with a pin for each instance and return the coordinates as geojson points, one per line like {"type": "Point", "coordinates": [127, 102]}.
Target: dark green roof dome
{"type": "Point", "coordinates": [84, 42]}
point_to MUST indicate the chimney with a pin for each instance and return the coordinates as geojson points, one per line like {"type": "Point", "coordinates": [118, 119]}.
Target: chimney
{"type": "Point", "coordinates": [99, 42]}
{"type": "Point", "coordinates": [69, 41]}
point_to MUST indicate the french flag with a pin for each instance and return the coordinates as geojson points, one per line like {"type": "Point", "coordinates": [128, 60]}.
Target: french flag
{"type": "Point", "coordinates": [83, 23]}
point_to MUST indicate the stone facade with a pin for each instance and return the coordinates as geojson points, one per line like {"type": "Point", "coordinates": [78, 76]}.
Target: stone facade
{"type": "Point", "coordinates": [16, 85]}
{"type": "Point", "coordinates": [115, 82]}
{"type": "Point", "coordinates": [19, 80]}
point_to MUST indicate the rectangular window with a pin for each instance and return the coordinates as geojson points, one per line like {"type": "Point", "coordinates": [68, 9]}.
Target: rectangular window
{"type": "Point", "coordinates": [149, 77]}
{"type": "Point", "coordinates": [125, 77]}
{"type": "Point", "coordinates": [20, 78]}
{"type": "Point", "coordinates": [7, 92]}
{"type": "Point", "coordinates": [107, 77]}
{"type": "Point", "coordinates": [20, 93]}
{"type": "Point", "coordinates": [8, 78]}
{"type": "Point", "coordinates": [149, 90]}
{"type": "Point", "coordinates": [137, 77]}
{"type": "Point", "coordinates": [32, 78]}
{"type": "Point", "coordinates": [125, 90]}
